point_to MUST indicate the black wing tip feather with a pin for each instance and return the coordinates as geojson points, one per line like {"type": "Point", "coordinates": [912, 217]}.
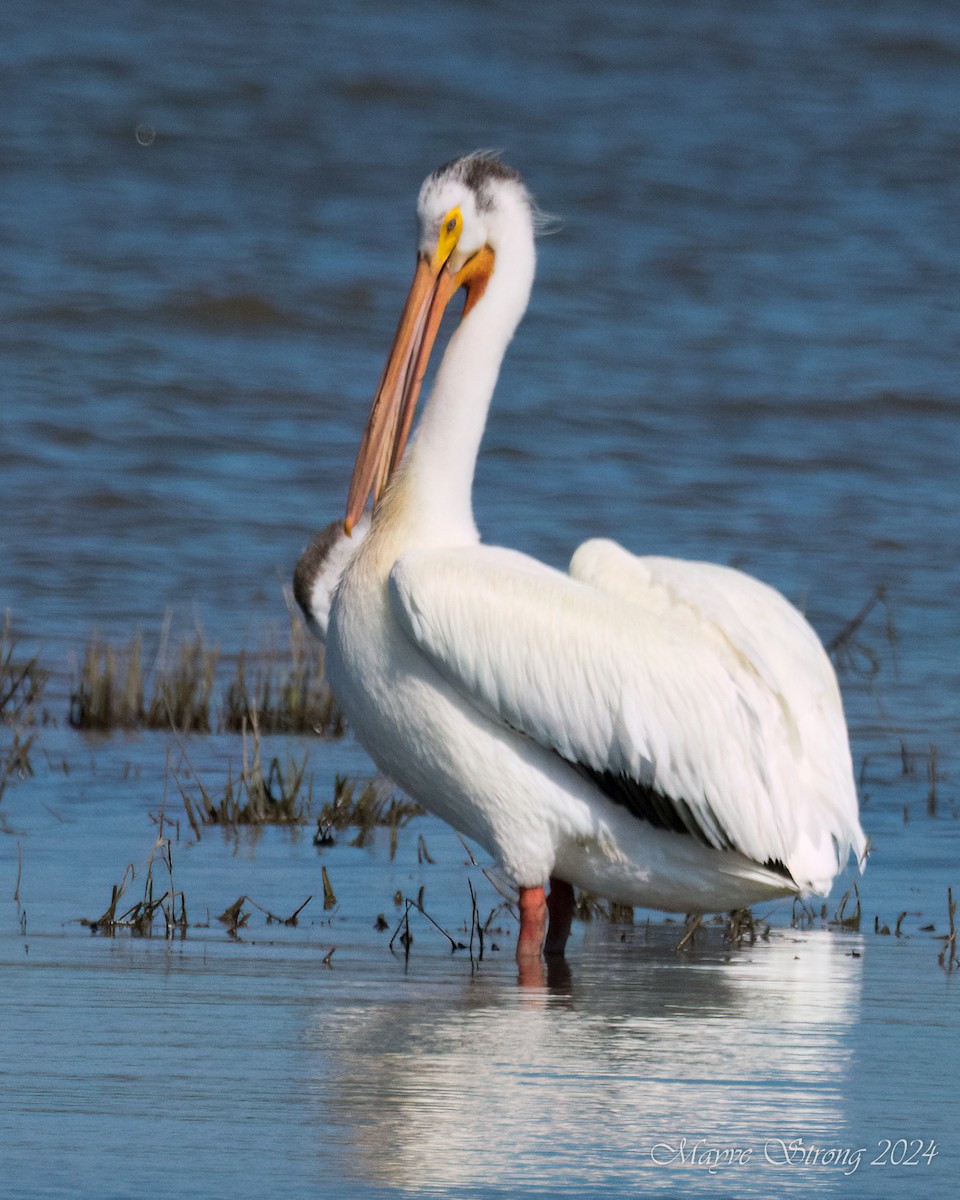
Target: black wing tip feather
{"type": "Point", "coordinates": [661, 811]}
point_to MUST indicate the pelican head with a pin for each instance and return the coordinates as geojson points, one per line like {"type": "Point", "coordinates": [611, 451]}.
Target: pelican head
{"type": "Point", "coordinates": [468, 211]}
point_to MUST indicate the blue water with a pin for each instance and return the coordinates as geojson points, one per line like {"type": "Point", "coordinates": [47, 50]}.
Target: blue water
{"type": "Point", "coordinates": [743, 346]}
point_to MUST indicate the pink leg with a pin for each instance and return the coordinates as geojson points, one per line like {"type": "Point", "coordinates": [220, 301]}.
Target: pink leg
{"type": "Point", "coordinates": [560, 908]}
{"type": "Point", "coordinates": [535, 937]}
{"type": "Point", "coordinates": [533, 923]}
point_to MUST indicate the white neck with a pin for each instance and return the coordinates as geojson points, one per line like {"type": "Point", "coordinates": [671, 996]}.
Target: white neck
{"type": "Point", "coordinates": [437, 480]}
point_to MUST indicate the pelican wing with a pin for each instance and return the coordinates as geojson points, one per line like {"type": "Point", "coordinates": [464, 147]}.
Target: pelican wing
{"type": "Point", "coordinates": [760, 625]}
{"type": "Point", "coordinates": [654, 704]}
{"type": "Point", "coordinates": [772, 641]}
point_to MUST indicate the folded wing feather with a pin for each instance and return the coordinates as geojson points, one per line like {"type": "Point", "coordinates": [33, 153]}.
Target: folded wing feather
{"type": "Point", "coordinates": [656, 697]}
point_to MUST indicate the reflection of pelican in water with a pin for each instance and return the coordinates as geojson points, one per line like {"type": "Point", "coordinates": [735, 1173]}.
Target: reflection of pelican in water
{"type": "Point", "coordinates": [658, 732]}
{"type": "Point", "coordinates": [738, 1047]}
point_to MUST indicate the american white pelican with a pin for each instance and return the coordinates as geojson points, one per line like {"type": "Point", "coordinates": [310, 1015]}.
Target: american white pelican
{"type": "Point", "coordinates": [662, 733]}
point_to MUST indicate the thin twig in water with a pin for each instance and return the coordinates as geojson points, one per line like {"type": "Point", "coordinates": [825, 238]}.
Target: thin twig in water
{"type": "Point", "coordinates": [692, 924]}
{"type": "Point", "coordinates": [475, 924]}
{"type": "Point", "coordinates": [948, 955]}
{"type": "Point", "coordinates": [233, 917]}
{"type": "Point", "coordinates": [853, 921]}
{"type": "Point", "coordinates": [932, 775]}
{"type": "Point", "coordinates": [844, 646]}
{"type": "Point", "coordinates": [405, 924]}
{"type": "Point", "coordinates": [272, 918]}
{"type": "Point", "coordinates": [463, 842]}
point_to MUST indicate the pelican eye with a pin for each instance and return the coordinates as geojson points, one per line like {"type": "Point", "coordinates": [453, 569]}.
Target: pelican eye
{"type": "Point", "coordinates": [450, 229]}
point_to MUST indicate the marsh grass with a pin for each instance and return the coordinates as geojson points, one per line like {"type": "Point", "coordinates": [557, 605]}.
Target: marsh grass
{"type": "Point", "coordinates": [288, 690]}
{"type": "Point", "coordinates": [108, 693]}
{"type": "Point", "coordinates": [182, 692]}
{"type": "Point", "coordinates": [588, 907]}
{"type": "Point", "coordinates": [141, 917]}
{"type": "Point", "coordinates": [110, 690]}
{"type": "Point", "coordinates": [21, 680]}
{"type": "Point", "coordinates": [373, 806]}
{"type": "Point", "coordinates": [742, 927]}
{"type": "Point", "coordinates": [267, 792]}
{"type": "Point", "coordinates": [21, 689]}
{"type": "Point", "coordinates": [15, 759]}
{"type": "Point", "coordinates": [841, 919]}
{"type": "Point", "coordinates": [274, 795]}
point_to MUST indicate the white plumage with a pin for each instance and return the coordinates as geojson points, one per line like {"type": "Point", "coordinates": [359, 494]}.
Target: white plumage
{"type": "Point", "coordinates": [663, 733]}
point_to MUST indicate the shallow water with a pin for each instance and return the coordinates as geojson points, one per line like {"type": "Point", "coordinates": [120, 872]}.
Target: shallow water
{"type": "Point", "coordinates": [744, 345]}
